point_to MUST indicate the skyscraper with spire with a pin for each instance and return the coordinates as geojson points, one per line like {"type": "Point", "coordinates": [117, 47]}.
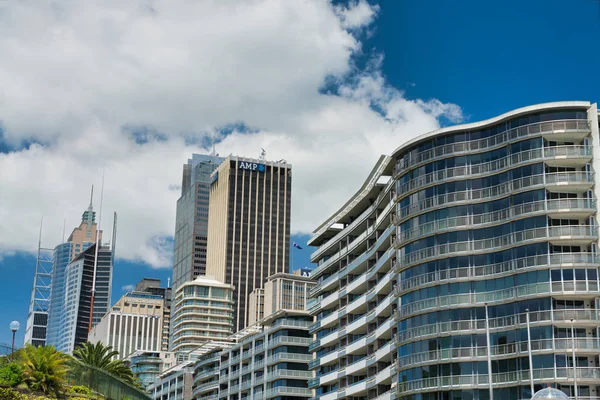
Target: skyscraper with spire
{"type": "Point", "coordinates": [79, 240]}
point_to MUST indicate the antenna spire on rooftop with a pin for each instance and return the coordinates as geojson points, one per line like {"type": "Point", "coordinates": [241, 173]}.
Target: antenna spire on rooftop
{"type": "Point", "coordinates": [91, 199]}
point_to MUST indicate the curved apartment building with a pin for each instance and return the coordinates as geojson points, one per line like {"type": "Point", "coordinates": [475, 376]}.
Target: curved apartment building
{"type": "Point", "coordinates": [480, 229]}
{"type": "Point", "coordinates": [202, 312]}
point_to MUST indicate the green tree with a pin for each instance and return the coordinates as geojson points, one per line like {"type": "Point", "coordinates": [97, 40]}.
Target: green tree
{"type": "Point", "coordinates": [44, 369]}
{"type": "Point", "coordinates": [11, 374]}
{"type": "Point", "coordinates": [101, 357]}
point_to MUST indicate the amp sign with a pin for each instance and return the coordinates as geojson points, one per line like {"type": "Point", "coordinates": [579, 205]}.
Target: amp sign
{"type": "Point", "coordinates": [250, 166]}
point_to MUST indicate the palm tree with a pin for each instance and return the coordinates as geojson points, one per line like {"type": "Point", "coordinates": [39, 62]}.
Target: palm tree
{"type": "Point", "coordinates": [44, 369]}
{"type": "Point", "coordinates": [100, 356]}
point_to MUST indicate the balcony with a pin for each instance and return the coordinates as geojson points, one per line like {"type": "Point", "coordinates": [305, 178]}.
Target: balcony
{"type": "Point", "coordinates": [509, 350]}
{"type": "Point", "coordinates": [566, 130]}
{"type": "Point", "coordinates": [577, 181]}
{"type": "Point", "coordinates": [499, 269]}
{"type": "Point", "coordinates": [581, 317]}
{"type": "Point", "coordinates": [513, 293]}
{"type": "Point", "coordinates": [291, 340]}
{"type": "Point", "coordinates": [288, 373]}
{"type": "Point", "coordinates": [567, 235]}
{"type": "Point", "coordinates": [288, 357]}
{"type": "Point", "coordinates": [558, 208]}
{"type": "Point", "coordinates": [287, 391]}
{"type": "Point", "coordinates": [565, 376]}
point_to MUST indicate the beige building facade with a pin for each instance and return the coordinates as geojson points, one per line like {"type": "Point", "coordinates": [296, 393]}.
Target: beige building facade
{"type": "Point", "coordinates": [249, 226]}
{"type": "Point", "coordinates": [134, 323]}
{"type": "Point", "coordinates": [202, 311]}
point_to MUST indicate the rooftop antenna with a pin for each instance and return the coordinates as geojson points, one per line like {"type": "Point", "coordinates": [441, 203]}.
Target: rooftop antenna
{"type": "Point", "coordinates": [91, 197]}
{"type": "Point", "coordinates": [169, 282]}
{"type": "Point", "coordinates": [96, 255]}
{"type": "Point", "coordinates": [64, 228]}
{"type": "Point", "coordinates": [263, 154]}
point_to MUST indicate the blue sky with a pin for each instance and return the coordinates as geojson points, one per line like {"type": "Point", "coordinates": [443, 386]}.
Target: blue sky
{"type": "Point", "coordinates": [485, 57]}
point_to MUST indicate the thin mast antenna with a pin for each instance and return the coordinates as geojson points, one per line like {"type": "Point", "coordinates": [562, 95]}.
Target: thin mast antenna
{"type": "Point", "coordinates": [96, 254]}
{"type": "Point", "coordinates": [64, 228]}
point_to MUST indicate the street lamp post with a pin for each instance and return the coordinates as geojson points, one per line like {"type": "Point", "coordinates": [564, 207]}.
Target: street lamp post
{"type": "Point", "coordinates": [14, 327]}
{"type": "Point", "coordinates": [574, 359]}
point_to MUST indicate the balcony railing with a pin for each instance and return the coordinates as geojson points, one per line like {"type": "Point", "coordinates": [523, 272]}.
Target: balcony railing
{"type": "Point", "coordinates": [501, 190]}
{"type": "Point", "coordinates": [496, 166]}
{"type": "Point", "coordinates": [500, 323]}
{"type": "Point", "coordinates": [586, 233]}
{"type": "Point", "coordinates": [517, 349]}
{"type": "Point", "coordinates": [502, 139]}
{"type": "Point", "coordinates": [513, 293]}
{"type": "Point", "coordinates": [564, 375]}
{"type": "Point", "coordinates": [504, 268]}
{"type": "Point", "coordinates": [499, 216]}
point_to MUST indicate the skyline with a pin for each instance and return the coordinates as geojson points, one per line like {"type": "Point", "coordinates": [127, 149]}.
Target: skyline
{"type": "Point", "coordinates": [380, 72]}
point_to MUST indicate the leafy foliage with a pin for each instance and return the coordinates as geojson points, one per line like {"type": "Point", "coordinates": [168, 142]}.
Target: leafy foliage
{"type": "Point", "coordinates": [100, 356]}
{"type": "Point", "coordinates": [44, 369]}
{"type": "Point", "coordinates": [9, 394]}
{"type": "Point", "coordinates": [80, 389]}
{"type": "Point", "coordinates": [11, 374]}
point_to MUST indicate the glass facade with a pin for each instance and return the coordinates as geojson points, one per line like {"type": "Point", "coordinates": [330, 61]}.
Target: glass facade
{"type": "Point", "coordinates": [492, 241]}
{"type": "Point", "coordinates": [503, 216]}
{"type": "Point", "coordinates": [62, 257]}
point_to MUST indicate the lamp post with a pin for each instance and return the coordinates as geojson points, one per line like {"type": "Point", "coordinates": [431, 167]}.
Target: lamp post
{"type": "Point", "coordinates": [529, 354]}
{"type": "Point", "coordinates": [489, 353]}
{"type": "Point", "coordinates": [14, 327]}
{"type": "Point", "coordinates": [574, 359]}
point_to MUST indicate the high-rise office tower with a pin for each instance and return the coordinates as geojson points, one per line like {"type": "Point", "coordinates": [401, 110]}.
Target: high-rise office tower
{"type": "Point", "coordinates": [79, 280]}
{"type": "Point", "coordinates": [474, 247]}
{"type": "Point", "coordinates": [249, 226]}
{"type": "Point", "coordinates": [191, 221]}
{"type": "Point", "coordinates": [50, 272]}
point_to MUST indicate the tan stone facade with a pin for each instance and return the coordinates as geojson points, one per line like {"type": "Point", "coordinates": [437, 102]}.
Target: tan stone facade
{"type": "Point", "coordinates": [249, 226]}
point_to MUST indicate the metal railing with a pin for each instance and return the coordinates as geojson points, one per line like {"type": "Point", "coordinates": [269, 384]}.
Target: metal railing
{"type": "Point", "coordinates": [499, 379]}
{"type": "Point", "coordinates": [504, 215]}
{"type": "Point", "coordinates": [498, 165]}
{"type": "Point", "coordinates": [564, 232]}
{"type": "Point", "coordinates": [499, 323]}
{"type": "Point", "coordinates": [102, 382]}
{"type": "Point", "coordinates": [499, 351]}
{"type": "Point", "coordinates": [411, 161]}
{"type": "Point", "coordinates": [504, 268]}
{"type": "Point", "coordinates": [512, 293]}
{"type": "Point", "coordinates": [492, 192]}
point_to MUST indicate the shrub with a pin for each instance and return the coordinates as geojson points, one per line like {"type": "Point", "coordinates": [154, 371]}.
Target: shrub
{"type": "Point", "coordinates": [9, 394]}
{"type": "Point", "coordinates": [80, 389]}
{"type": "Point", "coordinates": [44, 369]}
{"type": "Point", "coordinates": [11, 375]}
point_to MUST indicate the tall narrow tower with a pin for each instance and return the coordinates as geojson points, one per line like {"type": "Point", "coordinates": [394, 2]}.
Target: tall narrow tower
{"type": "Point", "coordinates": [248, 226]}
{"type": "Point", "coordinates": [37, 318]}
{"type": "Point", "coordinates": [79, 240]}
{"type": "Point", "coordinates": [191, 221]}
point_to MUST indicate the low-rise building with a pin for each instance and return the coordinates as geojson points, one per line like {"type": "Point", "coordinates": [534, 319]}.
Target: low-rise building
{"type": "Point", "coordinates": [174, 383]}
{"type": "Point", "coordinates": [206, 370]}
{"type": "Point", "coordinates": [269, 360]}
{"type": "Point", "coordinates": [148, 365]}
{"type": "Point", "coordinates": [134, 323]}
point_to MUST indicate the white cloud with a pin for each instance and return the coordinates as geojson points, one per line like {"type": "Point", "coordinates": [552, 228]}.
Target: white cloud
{"type": "Point", "coordinates": [127, 288]}
{"type": "Point", "coordinates": [356, 14]}
{"type": "Point", "coordinates": [74, 74]}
